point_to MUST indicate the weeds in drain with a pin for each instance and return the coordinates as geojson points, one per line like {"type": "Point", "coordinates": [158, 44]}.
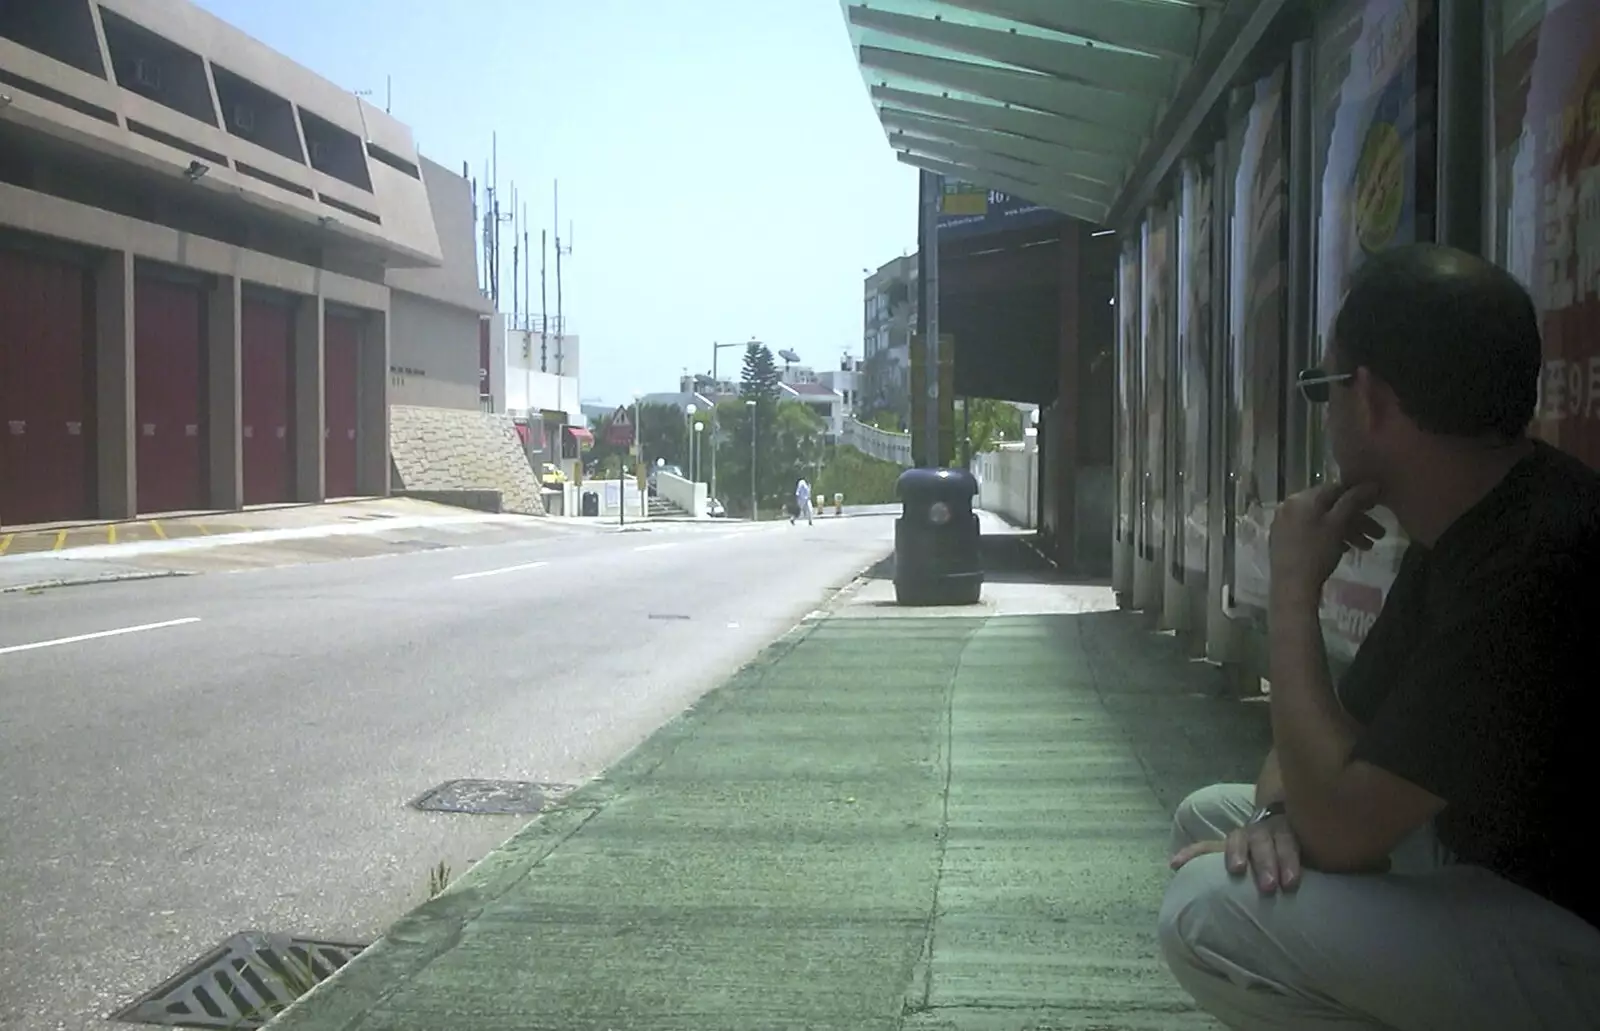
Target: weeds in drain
{"type": "Point", "coordinates": [292, 976]}
{"type": "Point", "coordinates": [438, 879]}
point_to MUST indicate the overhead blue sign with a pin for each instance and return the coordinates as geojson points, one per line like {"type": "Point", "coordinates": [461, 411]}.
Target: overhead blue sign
{"type": "Point", "coordinates": [969, 210]}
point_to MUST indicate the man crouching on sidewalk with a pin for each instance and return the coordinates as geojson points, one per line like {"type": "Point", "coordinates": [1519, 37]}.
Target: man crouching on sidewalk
{"type": "Point", "coordinates": [1418, 852]}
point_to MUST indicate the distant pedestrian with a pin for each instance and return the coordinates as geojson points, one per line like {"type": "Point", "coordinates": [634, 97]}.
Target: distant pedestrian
{"type": "Point", "coordinates": [802, 502]}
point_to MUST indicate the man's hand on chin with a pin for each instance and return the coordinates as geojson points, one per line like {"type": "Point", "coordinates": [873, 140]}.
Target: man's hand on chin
{"type": "Point", "coordinates": [1312, 530]}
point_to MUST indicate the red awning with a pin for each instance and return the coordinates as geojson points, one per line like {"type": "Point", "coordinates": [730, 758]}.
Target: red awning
{"type": "Point", "coordinates": [581, 435]}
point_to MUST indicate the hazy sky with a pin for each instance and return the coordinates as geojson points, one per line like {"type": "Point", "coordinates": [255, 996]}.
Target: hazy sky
{"type": "Point", "coordinates": [721, 165]}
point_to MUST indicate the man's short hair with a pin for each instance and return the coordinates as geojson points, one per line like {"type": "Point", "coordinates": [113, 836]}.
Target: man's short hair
{"type": "Point", "coordinates": [1455, 337]}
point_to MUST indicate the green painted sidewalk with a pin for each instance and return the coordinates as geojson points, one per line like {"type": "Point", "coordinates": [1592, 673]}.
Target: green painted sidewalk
{"type": "Point", "coordinates": [887, 821]}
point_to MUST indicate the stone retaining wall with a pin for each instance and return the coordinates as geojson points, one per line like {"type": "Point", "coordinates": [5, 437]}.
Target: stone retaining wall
{"type": "Point", "coordinates": [452, 449]}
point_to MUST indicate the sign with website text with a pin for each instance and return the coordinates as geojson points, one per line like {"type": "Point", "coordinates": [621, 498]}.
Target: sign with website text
{"type": "Point", "coordinates": [966, 209]}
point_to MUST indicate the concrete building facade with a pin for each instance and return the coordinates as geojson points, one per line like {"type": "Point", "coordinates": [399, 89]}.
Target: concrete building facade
{"type": "Point", "coordinates": [889, 319]}
{"type": "Point", "coordinates": [434, 313]}
{"type": "Point", "coordinates": [195, 240]}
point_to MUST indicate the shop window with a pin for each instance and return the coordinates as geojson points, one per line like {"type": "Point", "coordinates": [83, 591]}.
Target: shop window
{"type": "Point", "coordinates": [1546, 199]}
{"type": "Point", "coordinates": [1374, 153]}
{"type": "Point", "coordinates": [1257, 331]}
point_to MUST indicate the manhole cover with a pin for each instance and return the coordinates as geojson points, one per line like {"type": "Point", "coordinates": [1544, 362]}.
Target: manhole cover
{"type": "Point", "coordinates": [491, 797]}
{"type": "Point", "coordinates": [242, 983]}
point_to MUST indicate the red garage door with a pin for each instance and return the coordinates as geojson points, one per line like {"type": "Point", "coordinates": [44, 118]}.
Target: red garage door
{"type": "Point", "coordinates": [341, 345]}
{"type": "Point", "coordinates": [168, 395]}
{"type": "Point", "coordinates": [266, 330]}
{"type": "Point", "coordinates": [45, 454]}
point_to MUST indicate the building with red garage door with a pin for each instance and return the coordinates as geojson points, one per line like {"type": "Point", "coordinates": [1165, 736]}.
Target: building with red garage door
{"type": "Point", "coordinates": [195, 235]}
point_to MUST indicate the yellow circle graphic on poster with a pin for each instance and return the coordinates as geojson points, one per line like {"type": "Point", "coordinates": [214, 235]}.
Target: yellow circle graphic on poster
{"type": "Point", "coordinates": [1380, 187]}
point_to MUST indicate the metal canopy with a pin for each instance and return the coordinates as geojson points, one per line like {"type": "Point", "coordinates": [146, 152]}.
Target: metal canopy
{"type": "Point", "coordinates": [1051, 100]}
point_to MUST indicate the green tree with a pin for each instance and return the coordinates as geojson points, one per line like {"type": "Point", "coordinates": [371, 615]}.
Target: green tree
{"type": "Point", "coordinates": [992, 423]}
{"type": "Point", "coordinates": [788, 444]}
{"type": "Point", "coordinates": [760, 380]}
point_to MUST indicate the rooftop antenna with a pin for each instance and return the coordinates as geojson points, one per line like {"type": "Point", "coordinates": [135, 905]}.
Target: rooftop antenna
{"type": "Point", "coordinates": [561, 325]}
{"type": "Point", "coordinates": [544, 317]}
{"type": "Point", "coordinates": [492, 220]}
{"type": "Point", "coordinates": [527, 273]}
{"type": "Point", "coordinates": [516, 263]}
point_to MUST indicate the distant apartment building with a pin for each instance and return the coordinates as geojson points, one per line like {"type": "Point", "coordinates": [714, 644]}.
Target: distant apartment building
{"type": "Point", "coordinates": [889, 319]}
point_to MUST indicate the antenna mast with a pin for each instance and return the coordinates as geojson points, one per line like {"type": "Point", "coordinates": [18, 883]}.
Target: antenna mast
{"type": "Point", "coordinates": [516, 264]}
{"type": "Point", "coordinates": [561, 324]}
{"type": "Point", "coordinates": [544, 317]}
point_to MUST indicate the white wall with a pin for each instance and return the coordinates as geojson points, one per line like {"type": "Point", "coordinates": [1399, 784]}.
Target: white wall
{"type": "Point", "coordinates": [1008, 483]}
{"type": "Point", "coordinates": [882, 444]}
{"type": "Point", "coordinates": [691, 497]}
{"type": "Point", "coordinates": [561, 357]}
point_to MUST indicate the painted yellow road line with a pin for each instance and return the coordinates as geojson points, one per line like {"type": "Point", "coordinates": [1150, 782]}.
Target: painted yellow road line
{"type": "Point", "coordinates": [156, 526]}
{"type": "Point", "coordinates": [111, 533]}
{"type": "Point", "coordinates": [202, 528]}
{"type": "Point", "coordinates": [61, 540]}
{"type": "Point", "coordinates": [5, 542]}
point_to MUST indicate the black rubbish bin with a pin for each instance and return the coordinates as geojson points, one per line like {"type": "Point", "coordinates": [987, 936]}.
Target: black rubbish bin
{"type": "Point", "coordinates": [589, 505]}
{"type": "Point", "coordinates": [936, 557]}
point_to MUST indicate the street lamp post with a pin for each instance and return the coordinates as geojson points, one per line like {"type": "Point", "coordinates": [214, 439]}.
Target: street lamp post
{"type": "Point", "coordinates": [711, 490]}
{"type": "Point", "coordinates": [689, 411]}
{"type": "Point", "coordinates": [698, 428]}
{"type": "Point", "coordinates": [755, 512]}
{"type": "Point", "coordinates": [638, 459]}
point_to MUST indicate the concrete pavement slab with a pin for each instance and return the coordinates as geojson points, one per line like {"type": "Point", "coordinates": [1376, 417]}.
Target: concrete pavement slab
{"type": "Point", "coordinates": [933, 820]}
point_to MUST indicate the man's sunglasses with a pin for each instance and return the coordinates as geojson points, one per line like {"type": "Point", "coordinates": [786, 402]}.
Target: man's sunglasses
{"type": "Point", "coordinates": [1313, 384]}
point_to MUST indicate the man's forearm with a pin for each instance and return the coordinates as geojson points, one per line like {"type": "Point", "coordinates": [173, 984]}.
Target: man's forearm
{"type": "Point", "coordinates": [1269, 785]}
{"type": "Point", "coordinates": [1311, 735]}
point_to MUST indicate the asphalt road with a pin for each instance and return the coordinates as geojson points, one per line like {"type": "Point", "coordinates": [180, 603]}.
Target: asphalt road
{"type": "Point", "coordinates": [244, 755]}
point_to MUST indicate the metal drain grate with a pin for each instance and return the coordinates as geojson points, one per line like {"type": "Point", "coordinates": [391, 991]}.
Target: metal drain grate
{"type": "Point", "coordinates": [242, 983]}
{"type": "Point", "coordinates": [491, 797]}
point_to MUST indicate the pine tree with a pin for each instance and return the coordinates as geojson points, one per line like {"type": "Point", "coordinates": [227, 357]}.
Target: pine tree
{"type": "Point", "coordinates": [760, 381]}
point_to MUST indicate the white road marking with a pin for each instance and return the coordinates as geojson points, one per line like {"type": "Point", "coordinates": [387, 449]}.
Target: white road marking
{"type": "Point", "coordinates": [497, 572]}
{"type": "Point", "coordinates": [9, 649]}
{"type": "Point", "coordinates": [656, 547]}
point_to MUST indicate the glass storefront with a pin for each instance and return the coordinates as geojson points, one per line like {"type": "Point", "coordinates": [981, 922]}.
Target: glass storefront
{"type": "Point", "coordinates": [1257, 296]}
{"type": "Point", "coordinates": [1546, 199]}
{"type": "Point", "coordinates": [1194, 367]}
{"type": "Point", "coordinates": [1373, 151]}
{"type": "Point", "coordinates": [1127, 394]}
{"type": "Point", "coordinates": [1156, 297]}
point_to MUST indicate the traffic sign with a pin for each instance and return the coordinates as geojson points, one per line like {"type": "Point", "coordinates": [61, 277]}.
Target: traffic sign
{"type": "Point", "coordinates": [619, 431]}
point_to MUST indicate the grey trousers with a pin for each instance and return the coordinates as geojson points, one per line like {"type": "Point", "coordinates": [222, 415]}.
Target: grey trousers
{"type": "Point", "coordinates": [1429, 945]}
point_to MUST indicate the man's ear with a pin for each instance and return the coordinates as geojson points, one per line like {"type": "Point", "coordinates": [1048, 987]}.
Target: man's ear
{"type": "Point", "coordinates": [1376, 404]}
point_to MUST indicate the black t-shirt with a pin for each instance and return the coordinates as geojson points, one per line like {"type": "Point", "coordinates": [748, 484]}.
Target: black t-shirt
{"type": "Point", "coordinates": [1477, 681]}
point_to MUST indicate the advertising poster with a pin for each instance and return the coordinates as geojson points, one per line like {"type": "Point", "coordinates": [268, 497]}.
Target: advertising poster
{"type": "Point", "coordinates": [1127, 396]}
{"type": "Point", "coordinates": [1547, 135]}
{"type": "Point", "coordinates": [1369, 141]}
{"type": "Point", "coordinates": [1194, 366]}
{"type": "Point", "coordinates": [1156, 295]}
{"type": "Point", "coordinates": [1257, 313]}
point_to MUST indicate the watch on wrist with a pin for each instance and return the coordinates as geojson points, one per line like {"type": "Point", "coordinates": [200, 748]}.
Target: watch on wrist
{"type": "Point", "coordinates": [1268, 811]}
